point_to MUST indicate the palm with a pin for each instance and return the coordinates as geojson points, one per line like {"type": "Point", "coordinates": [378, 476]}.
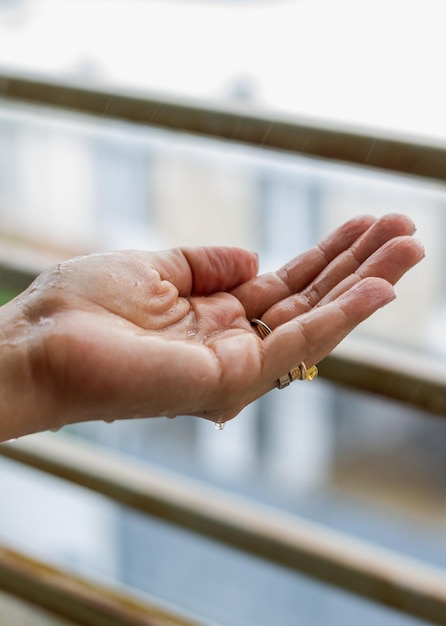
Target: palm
{"type": "Point", "coordinates": [161, 334]}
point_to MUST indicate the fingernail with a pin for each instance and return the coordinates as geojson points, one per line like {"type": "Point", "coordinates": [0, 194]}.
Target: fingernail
{"type": "Point", "coordinates": [256, 262]}
{"type": "Point", "coordinates": [390, 299]}
{"type": "Point", "coordinates": [423, 249]}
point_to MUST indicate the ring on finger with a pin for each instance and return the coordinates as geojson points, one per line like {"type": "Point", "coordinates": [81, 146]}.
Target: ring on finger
{"type": "Point", "coordinates": [297, 373]}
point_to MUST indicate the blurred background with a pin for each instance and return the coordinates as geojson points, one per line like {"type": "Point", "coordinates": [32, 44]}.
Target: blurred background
{"type": "Point", "coordinates": [70, 185]}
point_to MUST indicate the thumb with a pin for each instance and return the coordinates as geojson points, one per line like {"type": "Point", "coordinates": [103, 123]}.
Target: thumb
{"type": "Point", "coordinates": [219, 268]}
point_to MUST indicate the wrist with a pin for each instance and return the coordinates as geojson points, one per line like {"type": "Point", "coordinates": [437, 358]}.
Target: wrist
{"type": "Point", "coordinates": [24, 406]}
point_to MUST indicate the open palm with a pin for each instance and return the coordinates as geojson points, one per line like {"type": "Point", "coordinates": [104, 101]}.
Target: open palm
{"type": "Point", "coordinates": [132, 333]}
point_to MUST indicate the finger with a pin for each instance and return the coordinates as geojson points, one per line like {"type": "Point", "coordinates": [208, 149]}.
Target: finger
{"type": "Point", "coordinates": [348, 262]}
{"type": "Point", "coordinates": [350, 258]}
{"type": "Point", "coordinates": [264, 291]}
{"type": "Point", "coordinates": [390, 262]}
{"type": "Point", "coordinates": [205, 270]}
{"type": "Point", "coordinates": [315, 334]}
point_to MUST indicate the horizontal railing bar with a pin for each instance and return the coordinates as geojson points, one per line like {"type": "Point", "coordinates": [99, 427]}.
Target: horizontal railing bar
{"type": "Point", "coordinates": [73, 598]}
{"type": "Point", "coordinates": [417, 381]}
{"type": "Point", "coordinates": [306, 547]}
{"type": "Point", "coordinates": [404, 155]}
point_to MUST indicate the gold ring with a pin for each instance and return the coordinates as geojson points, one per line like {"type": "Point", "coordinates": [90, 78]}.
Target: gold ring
{"type": "Point", "coordinates": [263, 329]}
{"type": "Point", "coordinates": [298, 373]}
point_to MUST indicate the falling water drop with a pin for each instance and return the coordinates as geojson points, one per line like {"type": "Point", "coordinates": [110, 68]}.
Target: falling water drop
{"type": "Point", "coordinates": [219, 425]}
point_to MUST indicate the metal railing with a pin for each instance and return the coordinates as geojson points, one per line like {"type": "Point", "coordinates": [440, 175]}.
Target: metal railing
{"type": "Point", "coordinates": [71, 597]}
{"type": "Point", "coordinates": [331, 557]}
{"type": "Point", "coordinates": [365, 570]}
{"type": "Point", "coordinates": [388, 152]}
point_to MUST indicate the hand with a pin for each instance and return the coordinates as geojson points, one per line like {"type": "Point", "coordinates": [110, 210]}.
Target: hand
{"type": "Point", "coordinates": [132, 334]}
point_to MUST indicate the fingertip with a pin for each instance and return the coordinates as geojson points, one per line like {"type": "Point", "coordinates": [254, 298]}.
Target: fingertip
{"type": "Point", "coordinates": [371, 293]}
{"type": "Point", "coordinates": [400, 221]}
{"type": "Point", "coordinates": [252, 263]}
{"type": "Point", "coordinates": [421, 249]}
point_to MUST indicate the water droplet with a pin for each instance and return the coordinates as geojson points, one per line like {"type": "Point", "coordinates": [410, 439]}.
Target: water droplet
{"type": "Point", "coordinates": [219, 425]}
